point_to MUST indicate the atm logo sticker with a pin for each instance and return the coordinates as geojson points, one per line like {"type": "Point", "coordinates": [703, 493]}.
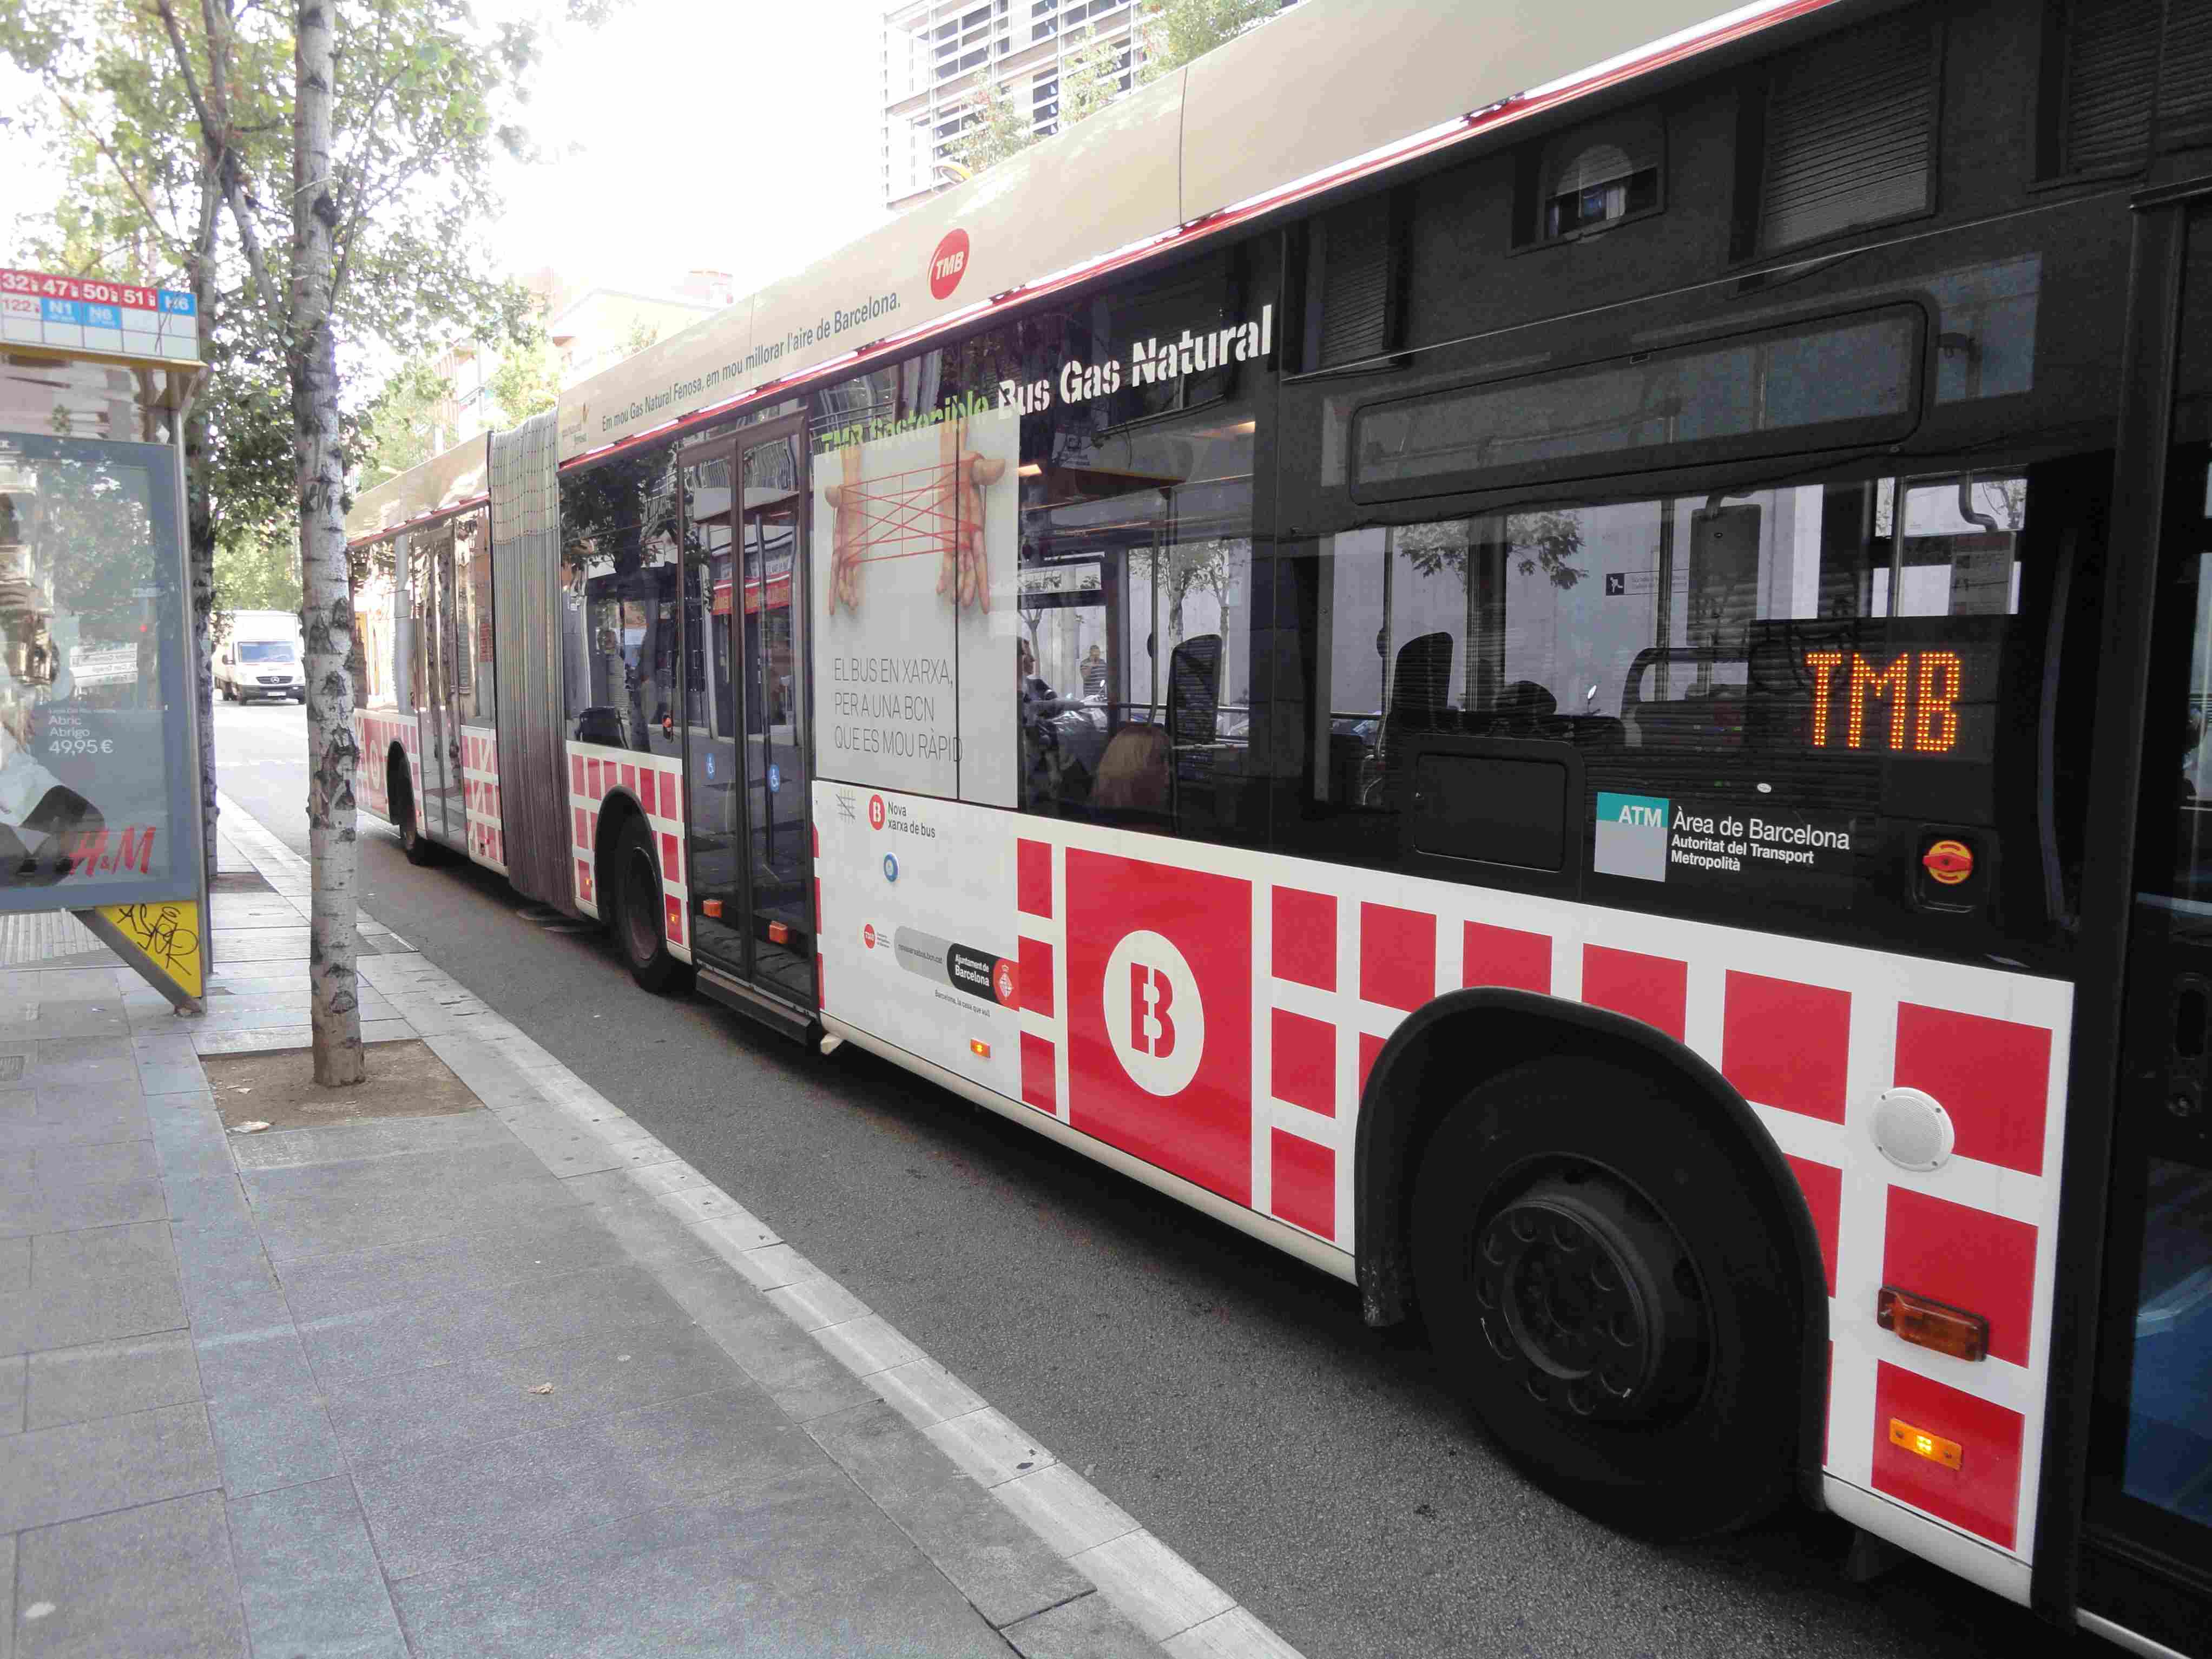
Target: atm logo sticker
{"type": "Point", "coordinates": [1632, 836]}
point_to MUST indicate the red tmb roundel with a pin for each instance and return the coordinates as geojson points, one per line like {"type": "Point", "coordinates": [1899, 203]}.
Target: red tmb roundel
{"type": "Point", "coordinates": [948, 265]}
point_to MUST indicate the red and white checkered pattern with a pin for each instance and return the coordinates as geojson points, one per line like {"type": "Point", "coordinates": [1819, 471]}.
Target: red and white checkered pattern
{"type": "Point", "coordinates": [655, 783]}
{"type": "Point", "coordinates": [375, 731]}
{"type": "Point", "coordinates": [480, 796]}
{"type": "Point", "coordinates": [1812, 1035]}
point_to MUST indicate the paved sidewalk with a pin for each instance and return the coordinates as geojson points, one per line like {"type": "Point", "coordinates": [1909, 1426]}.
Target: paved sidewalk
{"type": "Point", "coordinates": [287, 1394]}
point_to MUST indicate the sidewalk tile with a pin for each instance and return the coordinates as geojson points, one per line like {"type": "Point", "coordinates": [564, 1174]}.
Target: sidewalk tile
{"type": "Point", "coordinates": [868, 1344]}
{"type": "Point", "coordinates": [72, 1062]}
{"type": "Point", "coordinates": [923, 1392]}
{"type": "Point", "coordinates": [209, 1203]}
{"type": "Point", "coordinates": [988, 1447]}
{"type": "Point", "coordinates": [344, 1143]}
{"type": "Point", "coordinates": [109, 1379]}
{"type": "Point", "coordinates": [7, 1595]}
{"type": "Point", "coordinates": [619, 1304]}
{"type": "Point", "coordinates": [62, 1289]}
{"type": "Point", "coordinates": [26, 1208]}
{"type": "Point", "coordinates": [649, 1234]}
{"type": "Point", "coordinates": [153, 1580]}
{"type": "Point", "coordinates": [811, 1303]}
{"type": "Point", "coordinates": [267, 1365]}
{"type": "Point", "coordinates": [189, 1142]}
{"type": "Point", "coordinates": [329, 1210]}
{"type": "Point", "coordinates": [266, 1443]}
{"type": "Point", "coordinates": [64, 1117]}
{"type": "Point", "coordinates": [179, 1078]}
{"type": "Point", "coordinates": [1065, 1509]}
{"type": "Point", "coordinates": [791, 1365]}
{"type": "Point", "coordinates": [1089, 1627]}
{"type": "Point", "coordinates": [799, 1566]}
{"type": "Point", "coordinates": [470, 1402]}
{"type": "Point", "coordinates": [50, 1475]}
{"type": "Point", "coordinates": [13, 1380]}
{"type": "Point", "coordinates": [432, 1508]}
{"type": "Point", "coordinates": [310, 1577]}
{"type": "Point", "coordinates": [228, 1287]}
{"type": "Point", "coordinates": [1164, 1594]}
{"type": "Point", "coordinates": [996, 1562]}
{"type": "Point", "coordinates": [1235, 1634]}
{"type": "Point", "coordinates": [542, 1244]}
{"type": "Point", "coordinates": [94, 1163]}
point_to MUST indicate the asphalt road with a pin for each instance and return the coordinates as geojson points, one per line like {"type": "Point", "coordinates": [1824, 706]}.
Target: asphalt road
{"type": "Point", "coordinates": [1227, 1397]}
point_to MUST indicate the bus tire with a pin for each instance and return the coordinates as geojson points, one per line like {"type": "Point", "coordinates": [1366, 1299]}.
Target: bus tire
{"type": "Point", "coordinates": [638, 928]}
{"type": "Point", "coordinates": [1626, 1333]}
{"type": "Point", "coordinates": [400, 789]}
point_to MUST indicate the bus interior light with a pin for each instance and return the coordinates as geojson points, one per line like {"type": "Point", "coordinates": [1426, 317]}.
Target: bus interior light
{"type": "Point", "coordinates": [1931, 1325]}
{"type": "Point", "coordinates": [713, 907]}
{"type": "Point", "coordinates": [779, 933]}
{"type": "Point", "coordinates": [1921, 1443]}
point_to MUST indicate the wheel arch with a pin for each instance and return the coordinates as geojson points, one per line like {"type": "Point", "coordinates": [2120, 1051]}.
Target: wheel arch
{"type": "Point", "coordinates": [616, 808]}
{"type": "Point", "coordinates": [395, 764]}
{"type": "Point", "coordinates": [1424, 1071]}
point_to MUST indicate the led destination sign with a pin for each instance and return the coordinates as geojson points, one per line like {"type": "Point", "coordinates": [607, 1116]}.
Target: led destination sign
{"type": "Point", "coordinates": [1907, 705]}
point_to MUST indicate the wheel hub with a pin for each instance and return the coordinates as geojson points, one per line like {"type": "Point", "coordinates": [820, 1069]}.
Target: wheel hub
{"type": "Point", "coordinates": [1590, 1298]}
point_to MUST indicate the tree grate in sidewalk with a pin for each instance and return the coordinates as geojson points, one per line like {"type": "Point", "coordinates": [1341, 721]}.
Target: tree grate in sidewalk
{"type": "Point", "coordinates": [240, 881]}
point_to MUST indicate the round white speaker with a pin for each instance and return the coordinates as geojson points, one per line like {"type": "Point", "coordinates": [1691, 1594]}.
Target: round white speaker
{"type": "Point", "coordinates": [1912, 1129]}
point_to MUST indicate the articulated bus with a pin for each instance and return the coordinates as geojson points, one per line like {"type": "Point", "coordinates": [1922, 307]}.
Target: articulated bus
{"type": "Point", "coordinates": [1577, 691]}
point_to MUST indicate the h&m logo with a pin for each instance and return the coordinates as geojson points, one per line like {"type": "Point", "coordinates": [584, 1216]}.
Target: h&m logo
{"type": "Point", "coordinates": [1155, 1017]}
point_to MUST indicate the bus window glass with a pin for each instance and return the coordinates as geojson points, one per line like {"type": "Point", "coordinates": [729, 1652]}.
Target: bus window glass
{"type": "Point", "coordinates": [1814, 647]}
{"type": "Point", "coordinates": [619, 524]}
{"type": "Point", "coordinates": [475, 690]}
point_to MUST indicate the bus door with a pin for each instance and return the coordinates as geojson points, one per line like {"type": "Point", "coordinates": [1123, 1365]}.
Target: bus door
{"type": "Point", "coordinates": [2147, 1557]}
{"type": "Point", "coordinates": [431, 582]}
{"type": "Point", "coordinates": [747, 776]}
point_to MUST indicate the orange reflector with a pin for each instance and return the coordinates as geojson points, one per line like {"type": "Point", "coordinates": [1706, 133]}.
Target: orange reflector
{"type": "Point", "coordinates": [713, 907]}
{"type": "Point", "coordinates": [1948, 861]}
{"type": "Point", "coordinates": [1921, 1443]}
{"type": "Point", "coordinates": [778, 934]}
{"type": "Point", "coordinates": [978, 1048]}
{"type": "Point", "coordinates": [1928, 1324]}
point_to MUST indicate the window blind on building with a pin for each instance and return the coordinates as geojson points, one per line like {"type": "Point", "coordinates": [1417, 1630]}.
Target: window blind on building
{"type": "Point", "coordinates": [1352, 250]}
{"type": "Point", "coordinates": [1850, 134]}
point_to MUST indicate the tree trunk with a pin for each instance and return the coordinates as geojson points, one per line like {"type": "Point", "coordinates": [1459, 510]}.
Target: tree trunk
{"type": "Point", "coordinates": [332, 850]}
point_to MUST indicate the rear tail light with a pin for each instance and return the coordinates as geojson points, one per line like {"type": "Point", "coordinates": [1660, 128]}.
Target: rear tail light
{"type": "Point", "coordinates": [1928, 1324]}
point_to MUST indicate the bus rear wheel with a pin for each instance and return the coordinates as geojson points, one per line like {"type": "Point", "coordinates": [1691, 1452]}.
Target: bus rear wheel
{"type": "Point", "coordinates": [400, 789]}
{"type": "Point", "coordinates": [1623, 1329]}
{"type": "Point", "coordinates": [639, 904]}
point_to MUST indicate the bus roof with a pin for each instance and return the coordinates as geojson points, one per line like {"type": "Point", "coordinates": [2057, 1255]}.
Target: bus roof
{"type": "Point", "coordinates": [1341, 88]}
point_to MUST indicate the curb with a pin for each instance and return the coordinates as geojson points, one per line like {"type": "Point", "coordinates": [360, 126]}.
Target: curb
{"type": "Point", "coordinates": [578, 1133]}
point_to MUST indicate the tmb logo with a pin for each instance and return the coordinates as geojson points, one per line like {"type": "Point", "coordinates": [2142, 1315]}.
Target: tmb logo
{"type": "Point", "coordinates": [1155, 1016]}
{"type": "Point", "coordinates": [948, 265]}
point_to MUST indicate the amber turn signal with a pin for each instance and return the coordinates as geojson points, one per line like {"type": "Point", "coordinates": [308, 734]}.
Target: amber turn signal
{"type": "Point", "coordinates": [1921, 1443]}
{"type": "Point", "coordinates": [1928, 1324]}
{"type": "Point", "coordinates": [978, 1048]}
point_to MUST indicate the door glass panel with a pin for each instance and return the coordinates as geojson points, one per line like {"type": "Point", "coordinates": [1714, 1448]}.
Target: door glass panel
{"type": "Point", "coordinates": [775, 773]}
{"type": "Point", "coordinates": [2167, 1151]}
{"type": "Point", "coordinates": [2155, 1383]}
{"type": "Point", "coordinates": [712, 798]}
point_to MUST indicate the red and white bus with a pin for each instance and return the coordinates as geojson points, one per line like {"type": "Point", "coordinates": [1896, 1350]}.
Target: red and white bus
{"type": "Point", "coordinates": [1575, 691]}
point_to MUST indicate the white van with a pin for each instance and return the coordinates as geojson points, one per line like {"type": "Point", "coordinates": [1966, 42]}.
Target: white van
{"type": "Point", "coordinates": [260, 657]}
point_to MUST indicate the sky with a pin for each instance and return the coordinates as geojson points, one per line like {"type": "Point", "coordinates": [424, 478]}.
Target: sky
{"type": "Point", "coordinates": [743, 136]}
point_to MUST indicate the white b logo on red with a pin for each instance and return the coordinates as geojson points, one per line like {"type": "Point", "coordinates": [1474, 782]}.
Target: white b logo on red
{"type": "Point", "coordinates": [876, 812]}
{"type": "Point", "coordinates": [1154, 1016]}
